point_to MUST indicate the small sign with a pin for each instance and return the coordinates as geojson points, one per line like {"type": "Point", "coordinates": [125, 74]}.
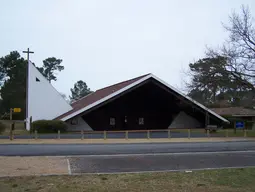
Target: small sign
{"type": "Point", "coordinates": [239, 125]}
{"type": "Point", "coordinates": [16, 110]}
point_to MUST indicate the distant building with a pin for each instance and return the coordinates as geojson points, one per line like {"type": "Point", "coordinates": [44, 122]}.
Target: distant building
{"type": "Point", "coordinates": [234, 114]}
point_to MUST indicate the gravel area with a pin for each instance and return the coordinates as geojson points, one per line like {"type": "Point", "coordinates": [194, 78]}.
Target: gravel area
{"type": "Point", "coordinates": [24, 166]}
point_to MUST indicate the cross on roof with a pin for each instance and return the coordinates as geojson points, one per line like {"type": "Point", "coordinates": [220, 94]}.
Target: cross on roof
{"type": "Point", "coordinates": [28, 52]}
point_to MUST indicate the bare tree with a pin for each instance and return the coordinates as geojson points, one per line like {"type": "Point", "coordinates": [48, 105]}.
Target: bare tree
{"type": "Point", "coordinates": [239, 48]}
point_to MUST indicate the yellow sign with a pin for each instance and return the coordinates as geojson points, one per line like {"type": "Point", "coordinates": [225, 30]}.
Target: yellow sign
{"type": "Point", "coordinates": [16, 110]}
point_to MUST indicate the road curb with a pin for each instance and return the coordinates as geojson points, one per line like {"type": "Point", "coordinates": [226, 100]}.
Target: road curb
{"type": "Point", "coordinates": [118, 141]}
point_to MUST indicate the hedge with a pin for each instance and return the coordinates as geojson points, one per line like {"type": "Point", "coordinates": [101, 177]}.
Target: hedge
{"type": "Point", "coordinates": [49, 126]}
{"type": "Point", "coordinates": [2, 127]}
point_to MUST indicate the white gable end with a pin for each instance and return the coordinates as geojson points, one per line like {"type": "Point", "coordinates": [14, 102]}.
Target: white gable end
{"type": "Point", "coordinates": [44, 101]}
{"type": "Point", "coordinates": [182, 120]}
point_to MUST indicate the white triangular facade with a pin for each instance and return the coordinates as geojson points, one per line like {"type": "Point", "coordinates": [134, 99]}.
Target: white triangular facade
{"type": "Point", "coordinates": [44, 101]}
{"type": "Point", "coordinates": [183, 120]}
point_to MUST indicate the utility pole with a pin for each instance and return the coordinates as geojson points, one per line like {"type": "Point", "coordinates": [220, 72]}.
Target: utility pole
{"type": "Point", "coordinates": [28, 52]}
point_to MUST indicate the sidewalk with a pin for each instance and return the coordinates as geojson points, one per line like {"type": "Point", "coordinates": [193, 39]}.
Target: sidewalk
{"type": "Point", "coordinates": [107, 141]}
{"type": "Point", "coordinates": [24, 166]}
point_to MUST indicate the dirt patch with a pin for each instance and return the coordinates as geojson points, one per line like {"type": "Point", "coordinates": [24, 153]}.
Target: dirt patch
{"type": "Point", "coordinates": [20, 166]}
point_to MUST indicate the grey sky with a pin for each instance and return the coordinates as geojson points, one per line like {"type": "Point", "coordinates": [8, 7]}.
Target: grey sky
{"type": "Point", "coordinates": [103, 42]}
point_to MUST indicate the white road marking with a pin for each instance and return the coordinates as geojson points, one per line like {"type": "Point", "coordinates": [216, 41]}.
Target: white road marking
{"type": "Point", "coordinates": [162, 154]}
{"type": "Point", "coordinates": [68, 167]}
{"type": "Point", "coordinates": [164, 171]}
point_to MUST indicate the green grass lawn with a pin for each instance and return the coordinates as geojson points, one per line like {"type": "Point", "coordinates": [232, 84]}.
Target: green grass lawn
{"type": "Point", "coordinates": [16, 132]}
{"type": "Point", "coordinates": [19, 129]}
{"type": "Point", "coordinates": [220, 132]}
{"type": "Point", "coordinates": [228, 180]}
{"type": "Point", "coordinates": [239, 133]}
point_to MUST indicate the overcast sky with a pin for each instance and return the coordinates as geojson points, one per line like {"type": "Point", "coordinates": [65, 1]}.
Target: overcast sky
{"type": "Point", "coordinates": [103, 42]}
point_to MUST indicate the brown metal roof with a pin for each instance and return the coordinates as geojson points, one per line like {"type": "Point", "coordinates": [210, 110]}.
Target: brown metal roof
{"type": "Point", "coordinates": [99, 94]}
{"type": "Point", "coordinates": [238, 111]}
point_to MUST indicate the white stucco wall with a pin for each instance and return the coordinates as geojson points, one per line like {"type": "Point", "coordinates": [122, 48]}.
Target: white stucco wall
{"type": "Point", "coordinates": [182, 120]}
{"type": "Point", "coordinates": [44, 101]}
{"type": "Point", "coordinates": [81, 125]}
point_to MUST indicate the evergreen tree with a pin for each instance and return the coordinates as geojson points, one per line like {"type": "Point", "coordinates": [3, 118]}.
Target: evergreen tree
{"type": "Point", "coordinates": [80, 90]}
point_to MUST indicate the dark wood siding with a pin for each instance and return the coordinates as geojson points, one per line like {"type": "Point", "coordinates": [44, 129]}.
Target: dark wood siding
{"type": "Point", "coordinates": [156, 105]}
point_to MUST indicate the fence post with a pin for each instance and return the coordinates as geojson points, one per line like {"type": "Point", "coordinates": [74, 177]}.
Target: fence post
{"type": "Point", "coordinates": [58, 134]}
{"type": "Point", "coordinates": [36, 137]}
{"type": "Point", "coordinates": [189, 133]}
{"type": "Point", "coordinates": [245, 133]}
{"type": "Point", "coordinates": [11, 131]}
{"type": "Point", "coordinates": [169, 134]}
{"type": "Point", "coordinates": [226, 132]}
{"type": "Point", "coordinates": [208, 133]}
{"type": "Point", "coordinates": [104, 134]}
{"type": "Point", "coordinates": [126, 134]}
{"type": "Point", "coordinates": [148, 134]}
{"type": "Point", "coordinates": [11, 134]}
{"type": "Point", "coordinates": [82, 134]}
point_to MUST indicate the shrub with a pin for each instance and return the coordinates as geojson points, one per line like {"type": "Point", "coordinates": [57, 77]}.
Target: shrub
{"type": "Point", "coordinates": [48, 126]}
{"type": "Point", "coordinates": [2, 127]}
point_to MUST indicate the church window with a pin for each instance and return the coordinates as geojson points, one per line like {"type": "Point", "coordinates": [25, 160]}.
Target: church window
{"type": "Point", "coordinates": [112, 121]}
{"type": "Point", "coordinates": [141, 121]}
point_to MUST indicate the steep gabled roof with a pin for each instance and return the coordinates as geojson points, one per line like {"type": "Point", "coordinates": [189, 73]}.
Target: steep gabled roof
{"type": "Point", "coordinates": [107, 93]}
{"type": "Point", "coordinates": [99, 94]}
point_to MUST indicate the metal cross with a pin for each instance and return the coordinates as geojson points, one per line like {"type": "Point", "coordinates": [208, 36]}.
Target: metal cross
{"type": "Point", "coordinates": [27, 74]}
{"type": "Point", "coordinates": [28, 52]}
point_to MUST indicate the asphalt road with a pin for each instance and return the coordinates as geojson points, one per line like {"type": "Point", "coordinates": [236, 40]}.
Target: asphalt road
{"type": "Point", "coordinates": [161, 162]}
{"type": "Point", "coordinates": [132, 135]}
{"type": "Point", "coordinates": [111, 149]}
